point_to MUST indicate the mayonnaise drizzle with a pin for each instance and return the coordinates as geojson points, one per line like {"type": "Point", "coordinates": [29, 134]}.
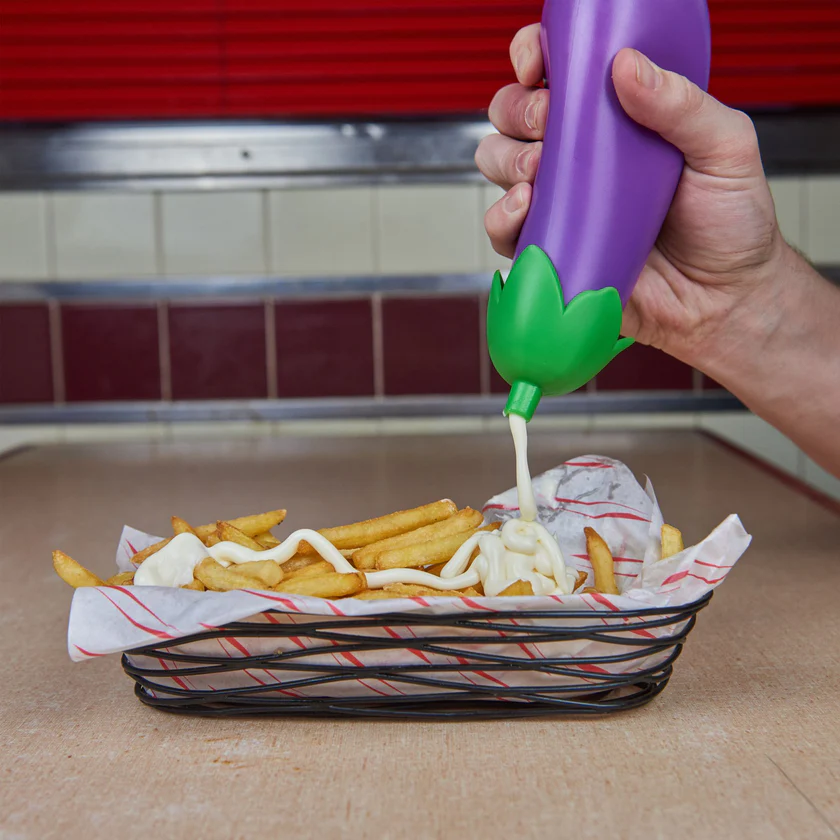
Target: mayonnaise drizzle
{"type": "Point", "coordinates": [522, 550]}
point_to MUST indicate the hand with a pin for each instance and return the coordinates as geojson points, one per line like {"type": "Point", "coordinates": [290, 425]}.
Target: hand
{"type": "Point", "coordinates": [716, 267]}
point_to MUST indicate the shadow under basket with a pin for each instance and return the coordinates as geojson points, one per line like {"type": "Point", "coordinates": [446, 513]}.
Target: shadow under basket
{"type": "Point", "coordinates": [408, 665]}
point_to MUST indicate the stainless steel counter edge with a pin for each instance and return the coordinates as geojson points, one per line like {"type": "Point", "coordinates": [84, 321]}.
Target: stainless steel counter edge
{"type": "Point", "coordinates": [256, 154]}
{"type": "Point", "coordinates": [389, 407]}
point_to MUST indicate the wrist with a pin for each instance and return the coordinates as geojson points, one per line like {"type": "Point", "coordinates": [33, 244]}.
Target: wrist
{"type": "Point", "coordinates": [778, 333]}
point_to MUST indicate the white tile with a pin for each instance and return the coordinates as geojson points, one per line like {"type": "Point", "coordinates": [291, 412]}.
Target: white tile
{"type": "Point", "coordinates": [23, 236]}
{"type": "Point", "coordinates": [822, 243]}
{"type": "Point", "coordinates": [424, 229]}
{"type": "Point", "coordinates": [247, 429]}
{"type": "Point", "coordinates": [110, 433]}
{"type": "Point", "coordinates": [756, 436]}
{"type": "Point", "coordinates": [645, 421]}
{"type": "Point", "coordinates": [11, 437]}
{"type": "Point", "coordinates": [329, 428]}
{"type": "Point", "coordinates": [322, 232]}
{"type": "Point", "coordinates": [817, 477]}
{"type": "Point", "coordinates": [788, 194]}
{"type": "Point", "coordinates": [213, 233]}
{"type": "Point", "coordinates": [492, 261]}
{"type": "Point", "coordinates": [104, 235]}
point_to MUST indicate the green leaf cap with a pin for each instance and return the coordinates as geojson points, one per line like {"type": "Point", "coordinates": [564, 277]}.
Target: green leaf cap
{"type": "Point", "coordinates": [542, 346]}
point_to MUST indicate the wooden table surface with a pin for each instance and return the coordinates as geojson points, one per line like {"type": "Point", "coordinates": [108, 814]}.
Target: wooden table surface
{"type": "Point", "coordinates": [744, 743]}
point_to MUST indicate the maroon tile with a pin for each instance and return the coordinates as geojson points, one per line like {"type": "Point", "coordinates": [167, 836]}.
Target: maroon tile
{"type": "Point", "coordinates": [25, 356]}
{"type": "Point", "coordinates": [218, 352]}
{"type": "Point", "coordinates": [497, 384]}
{"type": "Point", "coordinates": [709, 384]}
{"type": "Point", "coordinates": [324, 348]}
{"type": "Point", "coordinates": [642, 368]}
{"type": "Point", "coordinates": [110, 352]}
{"type": "Point", "coordinates": [431, 346]}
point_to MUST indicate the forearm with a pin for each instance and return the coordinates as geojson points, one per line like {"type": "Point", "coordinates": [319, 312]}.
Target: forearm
{"type": "Point", "coordinates": [787, 369]}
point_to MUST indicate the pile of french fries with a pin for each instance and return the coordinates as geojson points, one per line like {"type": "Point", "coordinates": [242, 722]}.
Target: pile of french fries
{"type": "Point", "coordinates": [423, 538]}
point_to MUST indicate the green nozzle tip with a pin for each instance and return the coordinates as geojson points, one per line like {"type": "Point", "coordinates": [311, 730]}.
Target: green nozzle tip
{"type": "Point", "coordinates": [523, 400]}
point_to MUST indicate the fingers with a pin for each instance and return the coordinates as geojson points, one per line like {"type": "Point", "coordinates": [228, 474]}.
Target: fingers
{"type": "Point", "coordinates": [520, 112]}
{"type": "Point", "coordinates": [715, 140]}
{"type": "Point", "coordinates": [506, 162]}
{"type": "Point", "coordinates": [526, 55]}
{"type": "Point", "coordinates": [504, 220]}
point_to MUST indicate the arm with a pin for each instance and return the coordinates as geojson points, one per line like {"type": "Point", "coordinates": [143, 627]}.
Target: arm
{"type": "Point", "coordinates": [721, 291]}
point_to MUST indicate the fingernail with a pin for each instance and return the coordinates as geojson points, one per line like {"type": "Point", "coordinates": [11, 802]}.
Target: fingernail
{"type": "Point", "coordinates": [513, 202]}
{"type": "Point", "coordinates": [532, 115]}
{"type": "Point", "coordinates": [522, 161]}
{"type": "Point", "coordinates": [647, 73]}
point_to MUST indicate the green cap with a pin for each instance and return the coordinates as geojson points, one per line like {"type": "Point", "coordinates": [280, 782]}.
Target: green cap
{"type": "Point", "coordinates": [542, 346]}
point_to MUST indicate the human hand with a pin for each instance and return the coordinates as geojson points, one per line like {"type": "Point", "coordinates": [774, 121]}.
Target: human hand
{"type": "Point", "coordinates": [716, 267]}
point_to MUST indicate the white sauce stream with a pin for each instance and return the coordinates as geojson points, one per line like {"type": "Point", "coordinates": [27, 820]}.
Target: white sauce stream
{"type": "Point", "coordinates": [522, 550]}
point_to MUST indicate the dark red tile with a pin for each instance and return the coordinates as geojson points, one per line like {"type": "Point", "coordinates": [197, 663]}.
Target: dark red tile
{"type": "Point", "coordinates": [110, 352]}
{"type": "Point", "coordinates": [709, 384]}
{"type": "Point", "coordinates": [642, 368]}
{"type": "Point", "coordinates": [431, 346]}
{"type": "Point", "coordinates": [324, 348]}
{"type": "Point", "coordinates": [218, 352]}
{"type": "Point", "coordinates": [25, 355]}
{"type": "Point", "coordinates": [497, 384]}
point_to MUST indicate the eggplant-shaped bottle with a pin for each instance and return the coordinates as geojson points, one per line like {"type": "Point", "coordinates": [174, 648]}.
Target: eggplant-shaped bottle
{"type": "Point", "coordinates": [603, 189]}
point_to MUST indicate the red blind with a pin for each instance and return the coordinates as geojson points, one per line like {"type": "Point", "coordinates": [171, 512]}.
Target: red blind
{"type": "Point", "coordinates": [103, 59]}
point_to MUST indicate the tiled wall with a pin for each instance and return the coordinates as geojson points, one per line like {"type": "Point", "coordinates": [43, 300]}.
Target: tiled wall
{"type": "Point", "coordinates": [400, 229]}
{"type": "Point", "coordinates": [328, 347]}
{"type": "Point", "coordinates": [347, 347]}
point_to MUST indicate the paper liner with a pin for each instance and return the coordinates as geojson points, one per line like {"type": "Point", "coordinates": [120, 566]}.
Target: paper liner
{"type": "Point", "coordinates": [588, 491]}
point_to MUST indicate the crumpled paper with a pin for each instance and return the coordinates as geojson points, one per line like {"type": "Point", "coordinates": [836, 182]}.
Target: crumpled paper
{"type": "Point", "coordinates": [587, 491]}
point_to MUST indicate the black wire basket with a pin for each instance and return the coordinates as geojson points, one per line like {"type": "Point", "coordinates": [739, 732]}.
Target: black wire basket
{"type": "Point", "coordinates": [409, 665]}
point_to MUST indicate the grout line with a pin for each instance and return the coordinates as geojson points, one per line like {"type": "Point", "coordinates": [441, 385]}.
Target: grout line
{"type": "Point", "coordinates": [484, 353]}
{"type": "Point", "coordinates": [164, 351]}
{"type": "Point", "coordinates": [49, 233]}
{"type": "Point", "coordinates": [157, 217]}
{"type": "Point", "coordinates": [378, 346]}
{"type": "Point", "coordinates": [266, 232]}
{"type": "Point", "coordinates": [56, 352]}
{"type": "Point", "coordinates": [270, 350]}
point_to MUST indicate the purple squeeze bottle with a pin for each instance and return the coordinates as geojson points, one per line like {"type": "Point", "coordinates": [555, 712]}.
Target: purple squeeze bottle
{"type": "Point", "coordinates": [601, 194]}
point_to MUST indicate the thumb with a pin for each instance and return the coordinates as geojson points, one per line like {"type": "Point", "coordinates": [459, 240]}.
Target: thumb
{"type": "Point", "coordinates": [715, 140]}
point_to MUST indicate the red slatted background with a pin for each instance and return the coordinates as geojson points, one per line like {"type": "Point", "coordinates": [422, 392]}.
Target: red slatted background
{"type": "Point", "coordinates": [113, 59]}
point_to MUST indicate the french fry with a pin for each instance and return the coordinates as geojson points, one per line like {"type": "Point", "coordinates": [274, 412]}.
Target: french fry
{"type": "Point", "coordinates": [589, 590]}
{"type": "Point", "coordinates": [517, 588]}
{"type": "Point", "coordinates": [267, 540]}
{"type": "Point", "coordinates": [73, 573]}
{"type": "Point", "coordinates": [463, 520]}
{"type": "Point", "coordinates": [197, 585]}
{"type": "Point", "coordinates": [672, 541]}
{"type": "Point", "coordinates": [316, 569]}
{"type": "Point", "coordinates": [332, 585]}
{"type": "Point", "coordinates": [220, 579]}
{"type": "Point", "coordinates": [145, 553]}
{"type": "Point", "coordinates": [438, 568]}
{"type": "Point", "coordinates": [211, 539]}
{"type": "Point", "coordinates": [300, 561]}
{"type": "Point", "coordinates": [266, 572]}
{"type": "Point", "coordinates": [581, 579]}
{"type": "Point", "coordinates": [360, 534]}
{"type": "Point", "coordinates": [413, 590]}
{"type": "Point", "coordinates": [230, 533]}
{"type": "Point", "coordinates": [602, 562]}
{"type": "Point", "coordinates": [121, 579]}
{"type": "Point", "coordinates": [249, 525]}
{"type": "Point", "coordinates": [423, 554]}
{"type": "Point", "coordinates": [181, 526]}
